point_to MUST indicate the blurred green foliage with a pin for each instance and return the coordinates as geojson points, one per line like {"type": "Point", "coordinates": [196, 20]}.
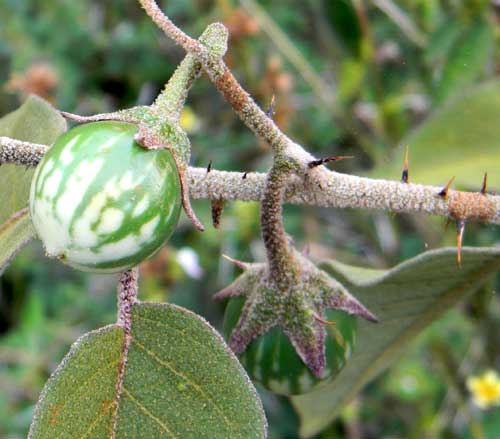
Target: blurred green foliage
{"type": "Point", "coordinates": [380, 74]}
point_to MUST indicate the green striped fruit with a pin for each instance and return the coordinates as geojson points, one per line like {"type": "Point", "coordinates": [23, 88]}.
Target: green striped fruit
{"type": "Point", "coordinates": [272, 361]}
{"type": "Point", "coordinates": [100, 202]}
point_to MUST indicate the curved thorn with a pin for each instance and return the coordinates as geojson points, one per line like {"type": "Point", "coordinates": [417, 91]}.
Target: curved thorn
{"type": "Point", "coordinates": [444, 192]}
{"type": "Point", "coordinates": [404, 175]}
{"type": "Point", "coordinates": [485, 183]}
{"type": "Point", "coordinates": [333, 158]}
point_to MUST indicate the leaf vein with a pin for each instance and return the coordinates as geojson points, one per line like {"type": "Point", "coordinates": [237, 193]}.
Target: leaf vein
{"type": "Point", "coordinates": [196, 386]}
{"type": "Point", "coordinates": [148, 413]}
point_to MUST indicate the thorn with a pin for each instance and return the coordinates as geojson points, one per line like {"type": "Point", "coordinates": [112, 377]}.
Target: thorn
{"type": "Point", "coordinates": [244, 175]}
{"type": "Point", "coordinates": [460, 234]}
{"type": "Point", "coordinates": [323, 321]}
{"type": "Point", "coordinates": [239, 264]}
{"type": "Point", "coordinates": [334, 158]}
{"type": "Point", "coordinates": [217, 209]}
{"type": "Point", "coordinates": [209, 167]}
{"type": "Point", "coordinates": [270, 109]}
{"type": "Point", "coordinates": [404, 176]}
{"type": "Point", "coordinates": [444, 192]}
{"type": "Point", "coordinates": [485, 183]}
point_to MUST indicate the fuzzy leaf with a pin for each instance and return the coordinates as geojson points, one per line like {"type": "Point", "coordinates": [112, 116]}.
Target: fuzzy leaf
{"type": "Point", "coordinates": [35, 121]}
{"type": "Point", "coordinates": [14, 235]}
{"type": "Point", "coordinates": [406, 298]}
{"type": "Point", "coordinates": [462, 139]}
{"type": "Point", "coordinates": [180, 381]}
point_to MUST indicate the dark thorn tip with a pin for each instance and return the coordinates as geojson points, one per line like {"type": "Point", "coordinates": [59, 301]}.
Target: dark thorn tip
{"type": "Point", "coordinates": [485, 183]}
{"type": "Point", "coordinates": [334, 158]}
{"type": "Point", "coordinates": [404, 176]}
{"type": "Point", "coordinates": [444, 192]}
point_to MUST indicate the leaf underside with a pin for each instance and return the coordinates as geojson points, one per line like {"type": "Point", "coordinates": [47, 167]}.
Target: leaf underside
{"type": "Point", "coordinates": [37, 122]}
{"type": "Point", "coordinates": [406, 299]}
{"type": "Point", "coordinates": [180, 381]}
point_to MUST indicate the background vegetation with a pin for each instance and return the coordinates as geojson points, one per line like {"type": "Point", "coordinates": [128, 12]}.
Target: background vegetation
{"type": "Point", "coordinates": [350, 78]}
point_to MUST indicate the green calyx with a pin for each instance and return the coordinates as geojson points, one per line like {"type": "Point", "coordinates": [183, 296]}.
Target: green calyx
{"type": "Point", "coordinates": [298, 308]}
{"type": "Point", "coordinates": [272, 361]}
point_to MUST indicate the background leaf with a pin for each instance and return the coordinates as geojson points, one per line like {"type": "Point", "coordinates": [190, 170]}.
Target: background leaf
{"type": "Point", "coordinates": [448, 143]}
{"type": "Point", "coordinates": [35, 121]}
{"type": "Point", "coordinates": [465, 61]}
{"type": "Point", "coordinates": [180, 380]}
{"type": "Point", "coordinates": [38, 122]}
{"type": "Point", "coordinates": [14, 235]}
{"type": "Point", "coordinates": [405, 304]}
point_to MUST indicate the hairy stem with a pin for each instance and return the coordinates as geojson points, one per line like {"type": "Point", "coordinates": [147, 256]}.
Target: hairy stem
{"type": "Point", "coordinates": [128, 291]}
{"type": "Point", "coordinates": [279, 250]}
{"type": "Point", "coordinates": [320, 187]}
{"type": "Point", "coordinates": [21, 153]}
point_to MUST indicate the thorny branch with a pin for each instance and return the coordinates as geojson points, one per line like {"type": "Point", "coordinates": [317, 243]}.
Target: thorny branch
{"type": "Point", "coordinates": [22, 153]}
{"type": "Point", "coordinates": [461, 206]}
{"type": "Point", "coordinates": [320, 187]}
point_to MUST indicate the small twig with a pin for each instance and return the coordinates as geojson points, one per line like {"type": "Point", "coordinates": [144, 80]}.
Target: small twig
{"type": "Point", "coordinates": [333, 158]}
{"type": "Point", "coordinates": [169, 28]}
{"type": "Point", "coordinates": [324, 188]}
{"type": "Point", "coordinates": [21, 153]}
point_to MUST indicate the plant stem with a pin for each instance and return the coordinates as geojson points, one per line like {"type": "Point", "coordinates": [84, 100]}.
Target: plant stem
{"type": "Point", "coordinates": [128, 291]}
{"type": "Point", "coordinates": [21, 153]}
{"type": "Point", "coordinates": [280, 253]}
{"type": "Point", "coordinates": [321, 188]}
